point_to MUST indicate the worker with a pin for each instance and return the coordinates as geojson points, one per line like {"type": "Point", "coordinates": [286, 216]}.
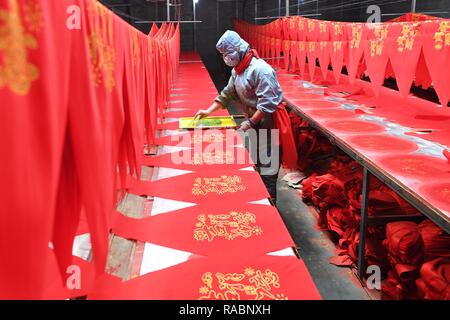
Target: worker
{"type": "Point", "coordinates": [254, 86]}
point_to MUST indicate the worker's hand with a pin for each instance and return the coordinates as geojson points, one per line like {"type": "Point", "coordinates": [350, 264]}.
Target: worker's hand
{"type": "Point", "coordinates": [246, 125]}
{"type": "Point", "coordinates": [202, 113]}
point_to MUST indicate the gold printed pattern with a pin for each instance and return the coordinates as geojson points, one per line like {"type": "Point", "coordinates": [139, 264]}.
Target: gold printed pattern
{"type": "Point", "coordinates": [101, 51]}
{"type": "Point", "coordinates": [337, 46]}
{"type": "Point", "coordinates": [135, 48]}
{"type": "Point", "coordinates": [216, 157]}
{"type": "Point", "coordinates": [220, 185]}
{"type": "Point", "coordinates": [338, 29]}
{"type": "Point", "coordinates": [442, 36]}
{"type": "Point", "coordinates": [16, 72]}
{"type": "Point", "coordinates": [251, 284]}
{"type": "Point", "coordinates": [356, 36]}
{"type": "Point", "coordinates": [322, 27]}
{"type": "Point", "coordinates": [301, 24]}
{"type": "Point", "coordinates": [311, 26]}
{"type": "Point", "coordinates": [229, 226]}
{"type": "Point", "coordinates": [376, 45]}
{"type": "Point", "coordinates": [406, 40]}
{"type": "Point", "coordinates": [211, 138]}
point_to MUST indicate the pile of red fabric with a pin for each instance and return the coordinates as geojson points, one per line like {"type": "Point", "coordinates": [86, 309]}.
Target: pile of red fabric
{"type": "Point", "coordinates": [434, 282]}
{"type": "Point", "coordinates": [311, 145]}
{"type": "Point", "coordinates": [405, 253]}
{"type": "Point", "coordinates": [419, 255]}
{"type": "Point", "coordinates": [436, 242]}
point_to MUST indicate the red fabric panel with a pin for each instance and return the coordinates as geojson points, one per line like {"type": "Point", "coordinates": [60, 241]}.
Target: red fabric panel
{"type": "Point", "coordinates": [208, 230]}
{"type": "Point", "coordinates": [205, 186]}
{"type": "Point", "coordinates": [262, 278]}
{"type": "Point", "coordinates": [283, 124]}
{"type": "Point", "coordinates": [436, 49]}
{"type": "Point", "coordinates": [404, 47]}
{"type": "Point", "coordinates": [33, 123]}
{"type": "Point", "coordinates": [212, 156]}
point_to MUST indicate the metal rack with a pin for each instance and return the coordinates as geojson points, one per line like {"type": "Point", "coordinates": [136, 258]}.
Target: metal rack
{"type": "Point", "coordinates": [370, 168]}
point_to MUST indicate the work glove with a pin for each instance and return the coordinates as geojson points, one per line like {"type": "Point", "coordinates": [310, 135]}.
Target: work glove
{"type": "Point", "coordinates": [246, 125]}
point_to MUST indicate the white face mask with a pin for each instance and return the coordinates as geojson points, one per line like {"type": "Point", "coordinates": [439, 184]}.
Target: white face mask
{"type": "Point", "coordinates": [231, 60]}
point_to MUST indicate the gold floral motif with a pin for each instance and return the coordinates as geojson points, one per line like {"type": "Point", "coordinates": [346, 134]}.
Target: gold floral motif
{"type": "Point", "coordinates": [216, 157]}
{"type": "Point", "coordinates": [311, 46]}
{"type": "Point", "coordinates": [101, 50]}
{"type": "Point", "coordinates": [442, 36]}
{"type": "Point", "coordinates": [406, 40]}
{"type": "Point", "coordinates": [220, 185]}
{"type": "Point", "coordinates": [322, 27]}
{"type": "Point", "coordinates": [323, 44]}
{"type": "Point", "coordinates": [376, 44]}
{"type": "Point", "coordinates": [356, 36]}
{"type": "Point", "coordinates": [17, 73]}
{"type": "Point", "coordinates": [229, 226]}
{"type": "Point", "coordinates": [252, 284]}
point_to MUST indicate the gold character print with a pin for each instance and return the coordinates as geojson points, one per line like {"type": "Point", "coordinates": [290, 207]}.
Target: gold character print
{"type": "Point", "coordinates": [208, 138]}
{"type": "Point", "coordinates": [311, 26]}
{"type": "Point", "coordinates": [377, 44]}
{"type": "Point", "coordinates": [442, 36]}
{"type": "Point", "coordinates": [217, 157]}
{"type": "Point", "coordinates": [219, 185]}
{"type": "Point", "coordinates": [338, 29]}
{"type": "Point", "coordinates": [337, 46]}
{"type": "Point", "coordinates": [227, 226]}
{"type": "Point", "coordinates": [251, 284]}
{"type": "Point", "coordinates": [101, 50]}
{"type": "Point", "coordinates": [16, 38]}
{"type": "Point", "coordinates": [356, 36]}
{"type": "Point", "coordinates": [406, 40]}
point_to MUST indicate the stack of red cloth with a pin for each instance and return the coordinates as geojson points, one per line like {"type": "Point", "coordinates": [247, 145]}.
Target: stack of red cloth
{"type": "Point", "coordinates": [311, 145]}
{"type": "Point", "coordinates": [405, 252]}
{"type": "Point", "coordinates": [436, 242]}
{"type": "Point", "coordinates": [420, 258]}
{"type": "Point", "coordinates": [434, 282]}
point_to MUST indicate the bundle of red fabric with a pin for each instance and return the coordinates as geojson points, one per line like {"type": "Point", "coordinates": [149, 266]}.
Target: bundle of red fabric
{"type": "Point", "coordinates": [436, 242]}
{"type": "Point", "coordinates": [327, 191]}
{"type": "Point", "coordinates": [384, 201]}
{"type": "Point", "coordinates": [394, 289]}
{"type": "Point", "coordinates": [311, 146]}
{"type": "Point", "coordinates": [405, 253]}
{"type": "Point", "coordinates": [404, 243]}
{"type": "Point", "coordinates": [434, 282]}
{"type": "Point", "coordinates": [307, 188]}
{"type": "Point", "coordinates": [339, 220]}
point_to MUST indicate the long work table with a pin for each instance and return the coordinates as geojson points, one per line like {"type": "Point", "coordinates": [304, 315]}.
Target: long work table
{"type": "Point", "coordinates": [401, 141]}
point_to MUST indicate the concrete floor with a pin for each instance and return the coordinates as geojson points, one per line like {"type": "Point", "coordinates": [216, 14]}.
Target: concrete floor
{"type": "Point", "coordinates": [316, 248]}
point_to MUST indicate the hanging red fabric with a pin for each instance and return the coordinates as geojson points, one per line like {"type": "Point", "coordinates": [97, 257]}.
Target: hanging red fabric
{"type": "Point", "coordinates": [282, 122]}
